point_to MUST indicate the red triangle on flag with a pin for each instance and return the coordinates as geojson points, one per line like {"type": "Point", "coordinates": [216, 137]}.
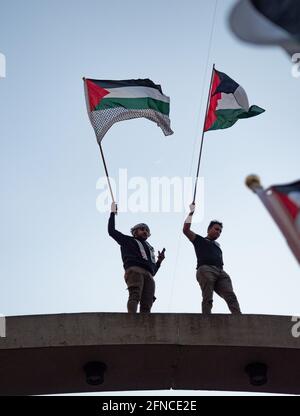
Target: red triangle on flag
{"type": "Point", "coordinates": [289, 205]}
{"type": "Point", "coordinates": [95, 94]}
{"type": "Point", "coordinates": [213, 102]}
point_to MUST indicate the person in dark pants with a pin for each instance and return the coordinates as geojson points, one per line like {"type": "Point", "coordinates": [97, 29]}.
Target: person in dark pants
{"type": "Point", "coordinates": [210, 273]}
{"type": "Point", "coordinates": [139, 263]}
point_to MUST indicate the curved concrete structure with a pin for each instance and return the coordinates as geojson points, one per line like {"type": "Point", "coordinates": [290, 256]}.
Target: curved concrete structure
{"type": "Point", "coordinates": [45, 354]}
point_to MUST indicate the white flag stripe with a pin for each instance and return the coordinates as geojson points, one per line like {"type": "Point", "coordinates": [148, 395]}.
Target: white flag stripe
{"type": "Point", "coordinates": [227, 102]}
{"type": "Point", "coordinates": [241, 97]}
{"type": "Point", "coordinates": [136, 92]}
{"type": "Point", "coordinates": [234, 101]}
{"type": "Point", "coordinates": [295, 197]}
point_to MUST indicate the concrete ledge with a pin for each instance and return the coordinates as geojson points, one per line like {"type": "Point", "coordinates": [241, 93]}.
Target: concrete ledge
{"type": "Point", "coordinates": [45, 354]}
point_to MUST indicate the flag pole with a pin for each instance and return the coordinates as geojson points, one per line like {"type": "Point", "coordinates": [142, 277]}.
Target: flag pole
{"type": "Point", "coordinates": [201, 146]}
{"type": "Point", "coordinates": [101, 151]}
{"type": "Point", "coordinates": [106, 173]}
{"type": "Point", "coordinates": [274, 207]}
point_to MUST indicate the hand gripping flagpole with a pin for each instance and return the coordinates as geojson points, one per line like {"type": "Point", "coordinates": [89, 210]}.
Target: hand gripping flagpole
{"type": "Point", "coordinates": [201, 146]}
{"type": "Point", "coordinates": [278, 214]}
{"type": "Point", "coordinates": [101, 151]}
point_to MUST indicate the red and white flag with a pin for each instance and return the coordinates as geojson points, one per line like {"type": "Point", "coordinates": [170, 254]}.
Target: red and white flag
{"type": "Point", "coordinates": [283, 203]}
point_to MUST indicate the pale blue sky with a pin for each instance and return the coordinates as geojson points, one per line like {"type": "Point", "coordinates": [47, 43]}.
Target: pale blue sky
{"type": "Point", "coordinates": [56, 255]}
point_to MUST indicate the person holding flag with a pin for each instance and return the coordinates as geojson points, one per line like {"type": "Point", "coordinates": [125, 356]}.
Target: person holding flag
{"type": "Point", "coordinates": [227, 103]}
{"type": "Point", "coordinates": [210, 274]}
{"type": "Point", "coordinates": [139, 263]}
{"type": "Point", "coordinates": [109, 102]}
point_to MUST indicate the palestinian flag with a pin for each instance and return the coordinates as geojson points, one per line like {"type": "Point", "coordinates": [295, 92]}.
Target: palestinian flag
{"type": "Point", "coordinates": [228, 103]}
{"type": "Point", "coordinates": [268, 22]}
{"type": "Point", "coordinates": [111, 101]}
{"type": "Point", "coordinates": [289, 198]}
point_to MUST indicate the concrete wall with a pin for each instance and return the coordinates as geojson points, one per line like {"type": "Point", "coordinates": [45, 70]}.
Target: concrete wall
{"type": "Point", "coordinates": [45, 354]}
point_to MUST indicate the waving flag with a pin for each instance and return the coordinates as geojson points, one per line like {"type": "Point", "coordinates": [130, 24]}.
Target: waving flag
{"type": "Point", "coordinates": [283, 204]}
{"type": "Point", "coordinates": [289, 199]}
{"type": "Point", "coordinates": [268, 22]}
{"type": "Point", "coordinates": [111, 101]}
{"type": "Point", "coordinates": [228, 103]}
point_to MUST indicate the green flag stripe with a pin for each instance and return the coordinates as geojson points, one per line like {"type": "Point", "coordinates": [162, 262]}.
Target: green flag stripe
{"type": "Point", "coordinates": [227, 118]}
{"type": "Point", "coordinates": [134, 104]}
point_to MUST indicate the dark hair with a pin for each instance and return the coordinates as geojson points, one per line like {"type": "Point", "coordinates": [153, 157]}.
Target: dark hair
{"type": "Point", "coordinates": [213, 222]}
{"type": "Point", "coordinates": [137, 227]}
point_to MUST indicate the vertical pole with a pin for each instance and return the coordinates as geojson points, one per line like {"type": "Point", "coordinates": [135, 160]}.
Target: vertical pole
{"type": "Point", "coordinates": [106, 173]}
{"type": "Point", "coordinates": [201, 146]}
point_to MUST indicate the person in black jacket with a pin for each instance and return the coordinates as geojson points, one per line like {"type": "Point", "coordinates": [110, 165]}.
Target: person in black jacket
{"type": "Point", "coordinates": [210, 273]}
{"type": "Point", "coordinates": [139, 263]}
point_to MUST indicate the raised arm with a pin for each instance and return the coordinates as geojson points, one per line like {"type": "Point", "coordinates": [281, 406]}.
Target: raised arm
{"type": "Point", "coordinates": [187, 224]}
{"type": "Point", "coordinates": [115, 234]}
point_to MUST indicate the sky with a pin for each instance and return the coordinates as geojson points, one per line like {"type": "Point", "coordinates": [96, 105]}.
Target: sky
{"type": "Point", "coordinates": [56, 255]}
